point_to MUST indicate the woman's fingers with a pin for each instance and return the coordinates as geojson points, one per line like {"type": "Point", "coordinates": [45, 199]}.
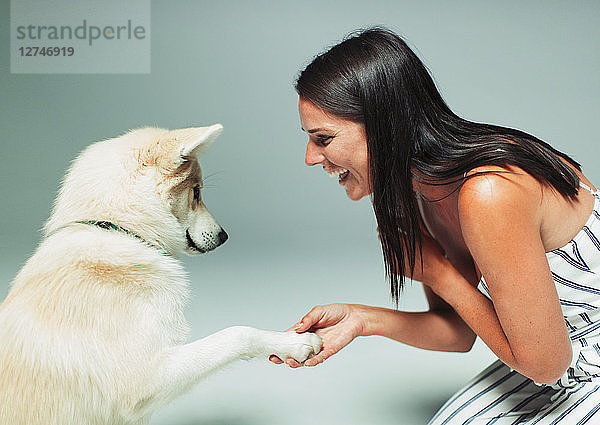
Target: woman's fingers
{"type": "Point", "coordinates": [313, 361]}
{"type": "Point", "coordinates": [289, 361]}
{"type": "Point", "coordinates": [293, 327]}
{"type": "Point", "coordinates": [275, 359]}
{"type": "Point", "coordinates": [320, 319]}
{"type": "Point", "coordinates": [319, 358]}
{"type": "Point", "coordinates": [314, 316]}
{"type": "Point", "coordinates": [292, 363]}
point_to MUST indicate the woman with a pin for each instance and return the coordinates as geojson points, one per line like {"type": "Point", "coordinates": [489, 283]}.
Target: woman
{"type": "Point", "coordinates": [502, 229]}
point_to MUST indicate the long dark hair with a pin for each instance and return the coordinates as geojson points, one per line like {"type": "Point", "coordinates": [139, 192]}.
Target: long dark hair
{"type": "Point", "coordinates": [374, 78]}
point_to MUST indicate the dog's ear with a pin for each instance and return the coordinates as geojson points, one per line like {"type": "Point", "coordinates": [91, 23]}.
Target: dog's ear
{"type": "Point", "coordinates": [184, 143]}
{"type": "Point", "coordinates": [196, 139]}
{"type": "Point", "coordinates": [191, 141]}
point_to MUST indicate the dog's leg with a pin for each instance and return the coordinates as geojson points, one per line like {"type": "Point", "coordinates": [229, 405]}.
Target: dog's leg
{"type": "Point", "coordinates": [180, 367]}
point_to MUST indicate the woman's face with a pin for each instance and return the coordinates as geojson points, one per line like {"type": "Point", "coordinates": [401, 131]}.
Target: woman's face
{"type": "Point", "coordinates": [339, 145]}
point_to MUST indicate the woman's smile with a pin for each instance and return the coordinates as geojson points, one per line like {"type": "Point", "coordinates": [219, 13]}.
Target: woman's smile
{"type": "Point", "coordinates": [341, 174]}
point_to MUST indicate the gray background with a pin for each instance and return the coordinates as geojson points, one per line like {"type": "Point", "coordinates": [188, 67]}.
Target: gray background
{"type": "Point", "coordinates": [296, 241]}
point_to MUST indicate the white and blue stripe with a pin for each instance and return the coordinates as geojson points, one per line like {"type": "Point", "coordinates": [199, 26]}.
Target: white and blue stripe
{"type": "Point", "coordinates": [501, 396]}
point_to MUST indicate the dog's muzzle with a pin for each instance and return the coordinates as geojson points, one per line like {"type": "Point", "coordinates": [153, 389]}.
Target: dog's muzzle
{"type": "Point", "coordinates": [222, 236]}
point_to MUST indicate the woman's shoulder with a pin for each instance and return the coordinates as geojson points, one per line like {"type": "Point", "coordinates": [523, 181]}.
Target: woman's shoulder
{"type": "Point", "coordinates": [496, 203]}
{"type": "Point", "coordinates": [493, 186]}
{"type": "Point", "coordinates": [500, 195]}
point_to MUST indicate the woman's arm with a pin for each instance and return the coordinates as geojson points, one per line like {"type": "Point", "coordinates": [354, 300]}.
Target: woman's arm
{"type": "Point", "coordinates": [500, 216]}
{"type": "Point", "coordinates": [439, 329]}
{"type": "Point", "coordinates": [339, 324]}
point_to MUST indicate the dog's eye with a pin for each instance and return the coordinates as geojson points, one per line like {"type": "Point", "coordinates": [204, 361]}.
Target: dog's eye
{"type": "Point", "coordinates": [197, 193]}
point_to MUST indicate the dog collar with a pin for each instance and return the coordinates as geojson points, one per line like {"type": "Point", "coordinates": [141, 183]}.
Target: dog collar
{"type": "Point", "coordinates": [107, 225]}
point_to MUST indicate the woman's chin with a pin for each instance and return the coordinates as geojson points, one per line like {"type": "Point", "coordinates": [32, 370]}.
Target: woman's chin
{"type": "Point", "coordinates": [354, 194]}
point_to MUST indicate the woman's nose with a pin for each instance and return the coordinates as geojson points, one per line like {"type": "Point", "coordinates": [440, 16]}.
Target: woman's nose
{"type": "Point", "coordinates": [314, 155]}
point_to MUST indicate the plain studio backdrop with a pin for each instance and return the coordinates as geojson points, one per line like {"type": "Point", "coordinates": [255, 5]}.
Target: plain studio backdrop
{"type": "Point", "coordinates": [295, 239]}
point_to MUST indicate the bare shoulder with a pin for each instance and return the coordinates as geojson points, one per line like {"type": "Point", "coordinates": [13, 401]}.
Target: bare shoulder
{"type": "Point", "coordinates": [500, 195]}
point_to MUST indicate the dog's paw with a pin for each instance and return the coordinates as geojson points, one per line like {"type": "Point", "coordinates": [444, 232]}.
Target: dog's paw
{"type": "Point", "coordinates": [300, 347]}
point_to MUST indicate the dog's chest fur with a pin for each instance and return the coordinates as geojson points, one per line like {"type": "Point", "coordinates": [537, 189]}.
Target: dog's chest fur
{"type": "Point", "coordinates": [90, 305]}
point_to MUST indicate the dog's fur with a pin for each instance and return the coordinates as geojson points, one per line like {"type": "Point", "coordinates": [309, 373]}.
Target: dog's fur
{"type": "Point", "coordinates": [92, 330]}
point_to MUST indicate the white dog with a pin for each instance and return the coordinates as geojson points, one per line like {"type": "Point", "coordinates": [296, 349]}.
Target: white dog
{"type": "Point", "coordinates": [92, 330]}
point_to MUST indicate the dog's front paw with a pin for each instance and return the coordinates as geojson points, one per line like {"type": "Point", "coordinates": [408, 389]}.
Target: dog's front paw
{"type": "Point", "coordinates": [300, 347]}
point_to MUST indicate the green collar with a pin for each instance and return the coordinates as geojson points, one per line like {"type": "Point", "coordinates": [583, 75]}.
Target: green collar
{"type": "Point", "coordinates": [107, 225]}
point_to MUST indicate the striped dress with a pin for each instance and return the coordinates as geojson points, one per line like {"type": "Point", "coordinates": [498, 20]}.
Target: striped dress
{"type": "Point", "coordinates": [501, 396]}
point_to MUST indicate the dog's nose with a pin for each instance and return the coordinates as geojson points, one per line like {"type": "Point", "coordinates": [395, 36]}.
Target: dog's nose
{"type": "Point", "coordinates": [223, 236]}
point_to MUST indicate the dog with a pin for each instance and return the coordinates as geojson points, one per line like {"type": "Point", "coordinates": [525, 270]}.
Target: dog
{"type": "Point", "coordinates": [92, 330]}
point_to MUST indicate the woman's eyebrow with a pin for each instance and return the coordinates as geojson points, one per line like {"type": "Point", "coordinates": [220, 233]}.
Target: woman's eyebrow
{"type": "Point", "coordinates": [315, 130]}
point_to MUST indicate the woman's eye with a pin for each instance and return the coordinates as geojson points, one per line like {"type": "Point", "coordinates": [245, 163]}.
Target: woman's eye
{"type": "Point", "coordinates": [197, 193]}
{"type": "Point", "coordinates": [324, 140]}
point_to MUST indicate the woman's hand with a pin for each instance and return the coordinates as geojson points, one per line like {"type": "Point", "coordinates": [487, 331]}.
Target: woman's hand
{"type": "Point", "coordinates": [336, 324]}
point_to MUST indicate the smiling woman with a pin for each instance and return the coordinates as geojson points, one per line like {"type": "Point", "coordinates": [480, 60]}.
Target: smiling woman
{"type": "Point", "coordinates": [345, 159]}
{"type": "Point", "coordinates": [456, 201]}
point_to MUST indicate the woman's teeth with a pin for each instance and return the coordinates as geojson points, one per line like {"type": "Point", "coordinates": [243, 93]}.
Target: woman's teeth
{"type": "Point", "coordinates": [336, 173]}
